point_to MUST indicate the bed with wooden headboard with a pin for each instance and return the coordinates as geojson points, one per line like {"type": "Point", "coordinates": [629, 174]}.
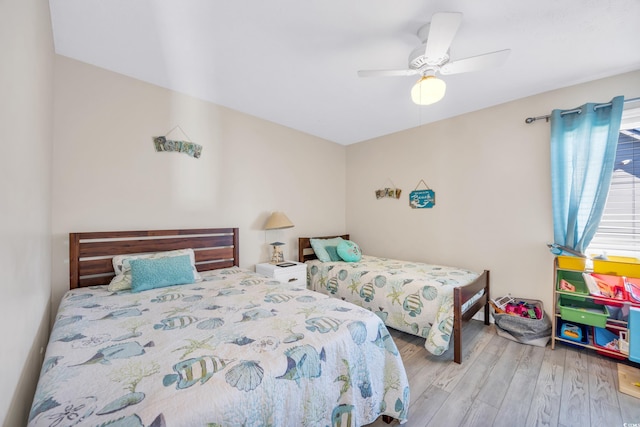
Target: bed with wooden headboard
{"type": "Point", "coordinates": [91, 254]}
{"type": "Point", "coordinates": [197, 340]}
{"type": "Point", "coordinates": [421, 299]}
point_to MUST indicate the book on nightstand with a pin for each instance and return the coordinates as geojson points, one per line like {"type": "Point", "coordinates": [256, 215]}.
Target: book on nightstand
{"type": "Point", "coordinates": [286, 264]}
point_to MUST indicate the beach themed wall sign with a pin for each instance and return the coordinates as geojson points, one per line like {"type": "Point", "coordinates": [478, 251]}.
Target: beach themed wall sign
{"type": "Point", "coordinates": [391, 192]}
{"type": "Point", "coordinates": [189, 148]}
{"type": "Point", "coordinates": [421, 199]}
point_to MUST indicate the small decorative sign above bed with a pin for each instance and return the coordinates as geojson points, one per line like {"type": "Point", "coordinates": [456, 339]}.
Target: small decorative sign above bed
{"type": "Point", "coordinates": [421, 199]}
{"type": "Point", "coordinates": [187, 147]}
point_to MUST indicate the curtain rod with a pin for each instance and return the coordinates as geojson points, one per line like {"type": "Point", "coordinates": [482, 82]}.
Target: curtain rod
{"type": "Point", "coordinates": [530, 120]}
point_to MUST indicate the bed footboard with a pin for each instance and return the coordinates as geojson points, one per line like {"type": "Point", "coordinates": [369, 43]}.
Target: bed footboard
{"type": "Point", "coordinates": [460, 296]}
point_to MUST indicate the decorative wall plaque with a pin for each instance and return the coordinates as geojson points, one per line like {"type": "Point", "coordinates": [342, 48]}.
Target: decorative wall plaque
{"type": "Point", "coordinates": [421, 199]}
{"type": "Point", "coordinates": [189, 148]}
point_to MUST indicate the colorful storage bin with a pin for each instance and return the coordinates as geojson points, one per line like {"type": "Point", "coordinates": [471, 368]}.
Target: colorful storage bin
{"type": "Point", "coordinates": [571, 262]}
{"type": "Point", "coordinates": [602, 339]}
{"type": "Point", "coordinates": [563, 327]}
{"type": "Point", "coordinates": [585, 312]}
{"type": "Point", "coordinates": [606, 289]}
{"type": "Point", "coordinates": [575, 279]}
{"type": "Point", "coordinates": [634, 334]}
{"type": "Point", "coordinates": [633, 289]}
{"type": "Point", "coordinates": [617, 266]}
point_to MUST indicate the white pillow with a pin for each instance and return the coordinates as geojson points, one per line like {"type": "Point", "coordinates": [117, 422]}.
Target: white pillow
{"type": "Point", "coordinates": [122, 268]}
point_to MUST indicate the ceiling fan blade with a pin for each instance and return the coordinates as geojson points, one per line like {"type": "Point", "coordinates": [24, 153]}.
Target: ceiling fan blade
{"type": "Point", "coordinates": [442, 30]}
{"type": "Point", "coordinates": [387, 73]}
{"type": "Point", "coordinates": [475, 63]}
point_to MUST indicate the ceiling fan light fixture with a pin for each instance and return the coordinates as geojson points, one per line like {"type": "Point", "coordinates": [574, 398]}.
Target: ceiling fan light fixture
{"type": "Point", "coordinates": [428, 90]}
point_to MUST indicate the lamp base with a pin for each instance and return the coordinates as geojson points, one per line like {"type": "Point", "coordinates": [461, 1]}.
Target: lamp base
{"type": "Point", "coordinates": [277, 256]}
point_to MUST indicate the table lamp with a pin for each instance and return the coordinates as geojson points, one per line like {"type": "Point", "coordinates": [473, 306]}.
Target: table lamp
{"type": "Point", "coordinates": [277, 221]}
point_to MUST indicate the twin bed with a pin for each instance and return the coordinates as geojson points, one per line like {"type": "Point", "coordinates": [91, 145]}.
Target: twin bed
{"type": "Point", "coordinates": [232, 349]}
{"type": "Point", "coordinates": [426, 300]}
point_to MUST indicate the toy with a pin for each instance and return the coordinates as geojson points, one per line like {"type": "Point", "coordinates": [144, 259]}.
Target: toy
{"type": "Point", "coordinates": [571, 332]}
{"type": "Point", "coordinates": [523, 309]}
{"type": "Point", "coordinates": [566, 286]}
{"type": "Point", "coordinates": [500, 304]}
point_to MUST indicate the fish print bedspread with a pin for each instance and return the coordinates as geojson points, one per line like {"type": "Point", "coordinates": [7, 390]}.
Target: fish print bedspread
{"type": "Point", "coordinates": [237, 349]}
{"type": "Point", "coordinates": [413, 297]}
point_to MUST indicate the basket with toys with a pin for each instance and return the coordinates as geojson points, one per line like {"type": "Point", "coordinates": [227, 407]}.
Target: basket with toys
{"type": "Point", "coordinates": [521, 320]}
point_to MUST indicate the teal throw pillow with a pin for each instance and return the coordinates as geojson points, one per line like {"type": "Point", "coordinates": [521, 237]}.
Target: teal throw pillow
{"type": "Point", "coordinates": [157, 273]}
{"type": "Point", "coordinates": [333, 253]}
{"type": "Point", "coordinates": [349, 251]}
{"type": "Point", "coordinates": [319, 247]}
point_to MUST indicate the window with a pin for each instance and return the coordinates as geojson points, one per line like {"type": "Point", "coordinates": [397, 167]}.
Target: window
{"type": "Point", "coordinates": [619, 230]}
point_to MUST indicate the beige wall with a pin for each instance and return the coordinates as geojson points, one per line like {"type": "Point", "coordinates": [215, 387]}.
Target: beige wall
{"type": "Point", "coordinates": [490, 172]}
{"type": "Point", "coordinates": [107, 175]}
{"type": "Point", "coordinates": [491, 175]}
{"type": "Point", "coordinates": [26, 85]}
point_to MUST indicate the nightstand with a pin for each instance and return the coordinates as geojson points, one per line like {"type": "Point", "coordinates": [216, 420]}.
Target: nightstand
{"type": "Point", "coordinates": [295, 275]}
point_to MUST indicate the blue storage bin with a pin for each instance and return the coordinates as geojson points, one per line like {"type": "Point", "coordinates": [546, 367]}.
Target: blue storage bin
{"type": "Point", "coordinates": [602, 337]}
{"type": "Point", "coordinates": [583, 337]}
{"type": "Point", "coordinates": [634, 334]}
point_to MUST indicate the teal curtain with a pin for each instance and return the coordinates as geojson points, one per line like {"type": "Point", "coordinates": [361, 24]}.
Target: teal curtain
{"type": "Point", "coordinates": [583, 151]}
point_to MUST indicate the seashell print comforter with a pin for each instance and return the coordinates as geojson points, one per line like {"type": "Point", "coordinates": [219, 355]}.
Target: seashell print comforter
{"type": "Point", "coordinates": [413, 297]}
{"type": "Point", "coordinates": [237, 349]}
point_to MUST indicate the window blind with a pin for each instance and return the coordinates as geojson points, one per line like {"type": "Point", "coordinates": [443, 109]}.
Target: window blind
{"type": "Point", "coordinates": [619, 229]}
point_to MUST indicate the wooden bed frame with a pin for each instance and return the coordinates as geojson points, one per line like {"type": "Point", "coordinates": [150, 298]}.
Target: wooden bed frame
{"type": "Point", "coordinates": [461, 295]}
{"type": "Point", "coordinates": [91, 254]}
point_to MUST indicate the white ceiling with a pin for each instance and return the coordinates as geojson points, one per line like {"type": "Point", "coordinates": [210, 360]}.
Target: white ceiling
{"type": "Point", "coordinates": [295, 62]}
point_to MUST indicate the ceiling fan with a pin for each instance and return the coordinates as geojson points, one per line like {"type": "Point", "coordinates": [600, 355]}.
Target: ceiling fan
{"type": "Point", "coordinates": [432, 57]}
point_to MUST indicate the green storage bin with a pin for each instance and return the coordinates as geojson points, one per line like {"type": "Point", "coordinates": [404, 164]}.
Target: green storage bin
{"type": "Point", "coordinates": [584, 312]}
{"type": "Point", "coordinates": [576, 279]}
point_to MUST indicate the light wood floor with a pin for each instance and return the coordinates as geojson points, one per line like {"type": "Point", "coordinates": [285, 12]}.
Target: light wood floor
{"type": "Point", "coordinates": [504, 383]}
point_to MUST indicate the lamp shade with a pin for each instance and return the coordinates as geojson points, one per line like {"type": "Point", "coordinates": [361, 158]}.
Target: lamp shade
{"type": "Point", "coordinates": [428, 90]}
{"type": "Point", "coordinates": [278, 220]}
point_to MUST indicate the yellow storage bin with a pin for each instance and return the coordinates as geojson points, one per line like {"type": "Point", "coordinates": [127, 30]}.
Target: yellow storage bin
{"type": "Point", "coordinates": [618, 266]}
{"type": "Point", "coordinates": [571, 263]}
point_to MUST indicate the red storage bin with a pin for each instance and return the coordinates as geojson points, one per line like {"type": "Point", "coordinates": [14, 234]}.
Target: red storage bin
{"type": "Point", "coordinates": [606, 290]}
{"type": "Point", "coordinates": [633, 288]}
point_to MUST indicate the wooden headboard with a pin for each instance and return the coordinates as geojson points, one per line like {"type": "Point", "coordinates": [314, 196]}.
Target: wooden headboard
{"type": "Point", "coordinates": [305, 251]}
{"type": "Point", "coordinates": [91, 254]}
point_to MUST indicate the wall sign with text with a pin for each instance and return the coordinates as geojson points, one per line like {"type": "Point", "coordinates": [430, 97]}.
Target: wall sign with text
{"type": "Point", "coordinates": [421, 199]}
